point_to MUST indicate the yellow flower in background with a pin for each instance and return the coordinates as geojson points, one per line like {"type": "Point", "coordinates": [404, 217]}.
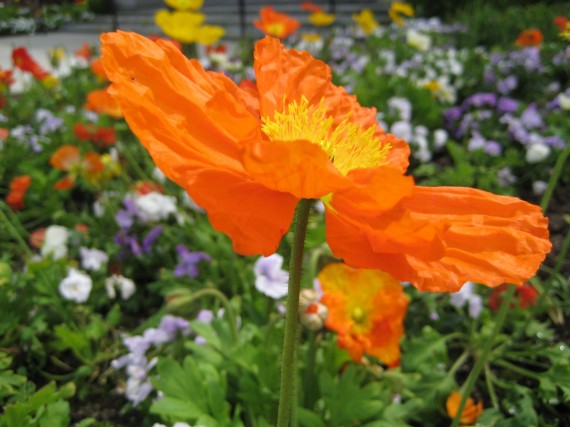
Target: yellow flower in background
{"type": "Point", "coordinates": [50, 82]}
{"type": "Point", "coordinates": [565, 33]}
{"type": "Point", "coordinates": [209, 34]}
{"type": "Point", "coordinates": [56, 56]}
{"type": "Point", "coordinates": [397, 9]}
{"type": "Point", "coordinates": [184, 4]}
{"type": "Point", "coordinates": [366, 21]}
{"type": "Point", "coordinates": [321, 19]}
{"type": "Point", "coordinates": [186, 27]}
{"type": "Point", "coordinates": [311, 37]}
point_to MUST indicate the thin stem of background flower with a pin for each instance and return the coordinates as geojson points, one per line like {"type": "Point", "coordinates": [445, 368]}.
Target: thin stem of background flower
{"type": "Point", "coordinates": [552, 183]}
{"type": "Point", "coordinates": [288, 360]}
{"type": "Point", "coordinates": [468, 386]}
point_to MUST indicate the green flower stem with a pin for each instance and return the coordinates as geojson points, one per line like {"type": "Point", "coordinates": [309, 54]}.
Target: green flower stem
{"type": "Point", "coordinates": [310, 382]}
{"type": "Point", "coordinates": [288, 360]}
{"type": "Point", "coordinates": [468, 386]}
{"type": "Point", "coordinates": [518, 369]}
{"type": "Point", "coordinates": [554, 178]}
{"type": "Point", "coordinates": [186, 300]}
{"type": "Point", "coordinates": [491, 387]}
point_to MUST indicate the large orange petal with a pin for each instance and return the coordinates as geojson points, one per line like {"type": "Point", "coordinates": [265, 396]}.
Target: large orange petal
{"type": "Point", "coordinates": [297, 167]}
{"type": "Point", "coordinates": [102, 102]}
{"type": "Point", "coordinates": [491, 239]}
{"type": "Point", "coordinates": [284, 76]}
{"type": "Point", "coordinates": [254, 217]}
{"type": "Point", "coordinates": [187, 118]}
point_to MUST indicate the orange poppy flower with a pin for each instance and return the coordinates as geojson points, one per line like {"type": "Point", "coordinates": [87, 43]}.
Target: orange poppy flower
{"type": "Point", "coordinates": [6, 78]}
{"type": "Point", "coordinates": [367, 309]}
{"type": "Point", "coordinates": [18, 189]}
{"type": "Point", "coordinates": [100, 136]}
{"type": "Point", "coordinates": [23, 61]}
{"type": "Point", "coordinates": [67, 158]}
{"type": "Point", "coordinates": [249, 166]}
{"type": "Point", "coordinates": [37, 237]}
{"type": "Point", "coordinates": [276, 24]}
{"type": "Point", "coordinates": [176, 43]}
{"type": "Point", "coordinates": [84, 51]}
{"type": "Point", "coordinates": [102, 103]}
{"type": "Point", "coordinates": [471, 411]}
{"type": "Point", "coordinates": [531, 37]}
{"type": "Point", "coordinates": [146, 187]}
{"type": "Point", "coordinates": [311, 7]}
{"type": "Point", "coordinates": [560, 22]}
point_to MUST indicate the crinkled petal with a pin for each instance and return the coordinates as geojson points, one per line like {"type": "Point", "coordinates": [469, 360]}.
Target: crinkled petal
{"type": "Point", "coordinates": [296, 167]}
{"type": "Point", "coordinates": [284, 76]}
{"type": "Point", "coordinates": [187, 118]}
{"type": "Point", "coordinates": [254, 217]}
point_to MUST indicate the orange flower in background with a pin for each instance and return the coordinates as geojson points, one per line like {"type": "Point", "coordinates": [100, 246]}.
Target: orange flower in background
{"type": "Point", "coordinates": [531, 37]}
{"type": "Point", "coordinates": [471, 411]}
{"type": "Point", "coordinates": [367, 309]}
{"type": "Point", "coordinates": [311, 7]}
{"type": "Point", "coordinates": [23, 61]}
{"type": "Point", "coordinates": [18, 189]}
{"type": "Point", "coordinates": [84, 52]}
{"type": "Point", "coordinates": [146, 187]}
{"type": "Point", "coordinates": [248, 159]}
{"type": "Point", "coordinates": [102, 103]}
{"type": "Point", "coordinates": [560, 22]}
{"type": "Point", "coordinates": [97, 135]}
{"type": "Point", "coordinates": [68, 158]}
{"type": "Point", "coordinates": [37, 237]}
{"type": "Point", "coordinates": [276, 24]}
{"type": "Point", "coordinates": [6, 79]}
{"type": "Point", "coordinates": [525, 296]}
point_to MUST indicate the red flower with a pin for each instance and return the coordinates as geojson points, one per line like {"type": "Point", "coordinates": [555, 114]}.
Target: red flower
{"type": "Point", "coordinates": [23, 61]}
{"type": "Point", "coordinates": [100, 136]}
{"type": "Point", "coordinates": [531, 37]}
{"type": "Point", "coordinates": [145, 187]}
{"type": "Point", "coordinates": [18, 189]}
{"type": "Point", "coordinates": [311, 7]}
{"type": "Point", "coordinates": [84, 51]}
{"type": "Point", "coordinates": [560, 22]}
{"type": "Point", "coordinates": [6, 78]}
{"type": "Point", "coordinates": [525, 296]}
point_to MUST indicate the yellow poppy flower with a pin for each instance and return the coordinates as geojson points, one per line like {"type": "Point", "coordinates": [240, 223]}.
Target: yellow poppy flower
{"type": "Point", "coordinates": [366, 21]}
{"type": "Point", "coordinates": [397, 9]}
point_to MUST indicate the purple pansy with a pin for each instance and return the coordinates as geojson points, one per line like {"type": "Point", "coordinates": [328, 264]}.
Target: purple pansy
{"type": "Point", "coordinates": [188, 262]}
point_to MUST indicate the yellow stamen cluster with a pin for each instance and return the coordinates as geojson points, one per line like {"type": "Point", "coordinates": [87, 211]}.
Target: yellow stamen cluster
{"type": "Point", "coordinates": [347, 144]}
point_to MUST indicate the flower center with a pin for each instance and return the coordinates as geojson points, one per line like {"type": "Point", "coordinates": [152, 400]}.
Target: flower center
{"type": "Point", "coordinates": [347, 144]}
{"type": "Point", "coordinates": [357, 315]}
{"type": "Point", "coordinates": [275, 29]}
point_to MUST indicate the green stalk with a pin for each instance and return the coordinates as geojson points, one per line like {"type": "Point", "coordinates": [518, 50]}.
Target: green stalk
{"type": "Point", "coordinates": [468, 386]}
{"type": "Point", "coordinates": [554, 178]}
{"type": "Point", "coordinates": [491, 387]}
{"type": "Point", "coordinates": [288, 360]}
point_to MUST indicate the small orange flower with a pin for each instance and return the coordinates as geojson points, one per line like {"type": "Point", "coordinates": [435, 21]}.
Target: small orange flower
{"type": "Point", "coordinates": [248, 158]}
{"type": "Point", "coordinates": [560, 22]}
{"type": "Point", "coordinates": [84, 51]}
{"type": "Point", "coordinates": [18, 189]}
{"type": "Point", "coordinates": [531, 37]}
{"type": "Point", "coordinates": [100, 136]}
{"type": "Point", "coordinates": [6, 79]}
{"type": "Point", "coordinates": [23, 61]}
{"type": "Point", "coordinates": [67, 158]}
{"type": "Point", "coordinates": [146, 187]}
{"type": "Point", "coordinates": [471, 411]}
{"type": "Point", "coordinates": [311, 7]}
{"type": "Point", "coordinates": [367, 309]}
{"type": "Point", "coordinates": [4, 133]}
{"type": "Point", "coordinates": [525, 295]}
{"type": "Point", "coordinates": [276, 24]}
{"type": "Point", "coordinates": [37, 237]}
{"type": "Point", "coordinates": [102, 103]}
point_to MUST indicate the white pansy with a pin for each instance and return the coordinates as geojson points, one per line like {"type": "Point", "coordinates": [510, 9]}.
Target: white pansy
{"type": "Point", "coordinates": [76, 286]}
{"type": "Point", "coordinates": [402, 130]}
{"type": "Point", "coordinates": [155, 206]}
{"type": "Point", "coordinates": [126, 286]}
{"type": "Point", "coordinates": [536, 153]}
{"type": "Point", "coordinates": [418, 40]}
{"type": "Point", "coordinates": [440, 137]}
{"type": "Point", "coordinates": [564, 101]}
{"type": "Point", "coordinates": [55, 242]}
{"type": "Point", "coordinates": [158, 175]}
{"type": "Point", "coordinates": [92, 259]}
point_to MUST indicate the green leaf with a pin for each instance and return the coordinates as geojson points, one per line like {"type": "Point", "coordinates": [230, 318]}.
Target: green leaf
{"type": "Point", "coordinates": [177, 409]}
{"type": "Point", "coordinates": [309, 419]}
{"type": "Point", "coordinates": [208, 333]}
